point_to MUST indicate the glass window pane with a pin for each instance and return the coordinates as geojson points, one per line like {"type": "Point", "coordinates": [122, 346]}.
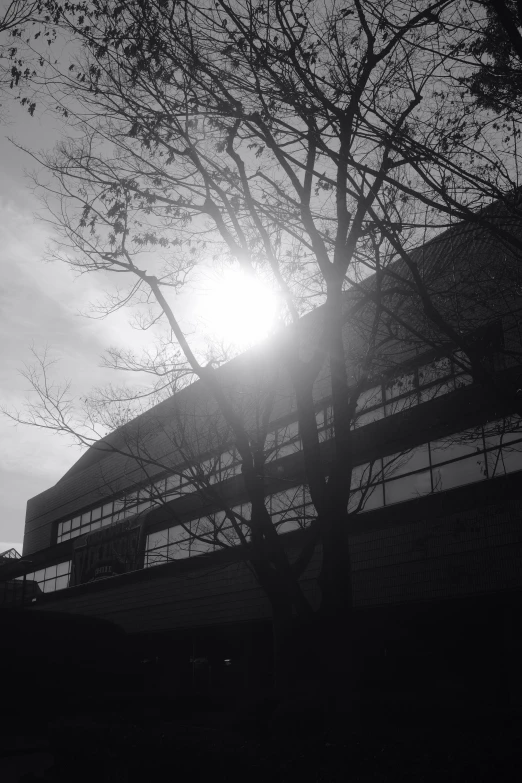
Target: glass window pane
{"type": "Point", "coordinates": [512, 457]}
{"type": "Point", "coordinates": [157, 556]}
{"type": "Point", "coordinates": [502, 431]}
{"type": "Point", "coordinates": [96, 525]}
{"type": "Point", "coordinates": [286, 449]}
{"type": "Point", "coordinates": [458, 473]}
{"type": "Point", "coordinates": [76, 523]}
{"type": "Point", "coordinates": [289, 432]}
{"type": "Point", "coordinates": [109, 520]}
{"type": "Point", "coordinates": [399, 386]}
{"type": "Point", "coordinates": [282, 501]}
{"type": "Point", "coordinates": [434, 371]}
{"type": "Point", "coordinates": [49, 586]}
{"type": "Point", "coordinates": [177, 533]}
{"type": "Point", "coordinates": [39, 576]}
{"type": "Point", "coordinates": [119, 504]}
{"type": "Point", "coordinates": [107, 509]}
{"type": "Point", "coordinates": [287, 527]}
{"type": "Point", "coordinates": [86, 518]}
{"type": "Point", "coordinates": [227, 537]}
{"type": "Point", "coordinates": [368, 418]}
{"type": "Point", "coordinates": [201, 547]}
{"type": "Point", "coordinates": [130, 501]}
{"type": "Point", "coordinates": [324, 435]}
{"type": "Point", "coordinates": [407, 488]}
{"type": "Point", "coordinates": [96, 513]}
{"type": "Point", "coordinates": [361, 475]}
{"type": "Point", "coordinates": [399, 464]}
{"type": "Point", "coordinates": [157, 539]}
{"type": "Point", "coordinates": [179, 551]}
{"type": "Point", "coordinates": [204, 468]}
{"type": "Point", "coordinates": [374, 498]}
{"type": "Point", "coordinates": [173, 481]}
{"type": "Point", "coordinates": [75, 533]}
{"type": "Point", "coordinates": [463, 380]}
{"type": "Point", "coordinates": [62, 582]}
{"type": "Point", "coordinates": [63, 568]}
{"type": "Point", "coordinates": [227, 458]}
{"type": "Point", "coordinates": [172, 485]}
{"type": "Point", "coordinates": [369, 398]}
{"type": "Point", "coordinates": [461, 444]}
{"type": "Point", "coordinates": [67, 536]}
{"type": "Point", "coordinates": [506, 460]}
{"type": "Point", "coordinates": [461, 362]}
{"type": "Point", "coordinates": [437, 390]}
{"type": "Point", "coordinates": [50, 572]}
{"type": "Point", "coordinates": [218, 519]}
{"type": "Point", "coordinates": [198, 527]}
{"type": "Point", "coordinates": [158, 489]}
{"type": "Point", "coordinates": [58, 539]}
{"type": "Point", "coordinates": [66, 526]}
{"type": "Point", "coordinates": [495, 463]}
{"type": "Point", "coordinates": [403, 404]}
{"type": "Point", "coordinates": [144, 494]}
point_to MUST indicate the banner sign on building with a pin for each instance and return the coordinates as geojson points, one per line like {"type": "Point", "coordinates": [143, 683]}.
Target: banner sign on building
{"type": "Point", "coordinates": [107, 552]}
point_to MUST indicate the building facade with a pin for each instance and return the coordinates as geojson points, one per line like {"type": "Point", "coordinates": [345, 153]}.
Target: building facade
{"type": "Point", "coordinates": [133, 532]}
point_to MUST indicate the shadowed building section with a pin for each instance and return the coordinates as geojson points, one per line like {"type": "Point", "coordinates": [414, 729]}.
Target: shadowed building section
{"type": "Point", "coordinates": [139, 530]}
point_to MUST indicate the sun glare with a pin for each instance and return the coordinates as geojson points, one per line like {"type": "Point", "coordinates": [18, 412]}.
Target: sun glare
{"type": "Point", "coordinates": [240, 310]}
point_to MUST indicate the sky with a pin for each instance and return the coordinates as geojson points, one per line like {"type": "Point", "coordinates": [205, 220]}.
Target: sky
{"type": "Point", "coordinates": [40, 308]}
{"type": "Point", "coordinates": [39, 304]}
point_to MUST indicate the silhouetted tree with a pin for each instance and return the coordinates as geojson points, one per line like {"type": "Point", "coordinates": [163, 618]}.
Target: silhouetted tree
{"type": "Point", "coordinates": [314, 146]}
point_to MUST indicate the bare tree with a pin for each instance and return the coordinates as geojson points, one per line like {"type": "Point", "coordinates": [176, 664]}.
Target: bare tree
{"type": "Point", "coordinates": [312, 146]}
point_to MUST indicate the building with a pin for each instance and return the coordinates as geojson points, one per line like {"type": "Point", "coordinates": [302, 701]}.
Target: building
{"type": "Point", "coordinates": [132, 532]}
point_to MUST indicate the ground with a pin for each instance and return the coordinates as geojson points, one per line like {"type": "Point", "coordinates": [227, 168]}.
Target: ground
{"type": "Point", "coordinates": [127, 748]}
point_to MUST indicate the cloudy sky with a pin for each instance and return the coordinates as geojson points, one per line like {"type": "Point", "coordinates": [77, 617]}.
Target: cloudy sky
{"type": "Point", "coordinates": [40, 307]}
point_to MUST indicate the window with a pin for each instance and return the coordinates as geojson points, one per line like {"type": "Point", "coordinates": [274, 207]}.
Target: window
{"type": "Point", "coordinates": [283, 441]}
{"type": "Point", "coordinates": [402, 463]}
{"type": "Point", "coordinates": [455, 474]}
{"type": "Point", "coordinates": [424, 383]}
{"type": "Point", "coordinates": [54, 577]}
{"type": "Point", "coordinates": [463, 458]}
{"type": "Point", "coordinates": [407, 487]}
{"type": "Point", "coordinates": [290, 510]}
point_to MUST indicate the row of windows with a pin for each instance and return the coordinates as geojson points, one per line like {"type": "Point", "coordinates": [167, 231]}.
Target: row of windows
{"type": "Point", "coordinates": [473, 455]}
{"type": "Point", "coordinates": [227, 464]}
{"type": "Point", "coordinates": [464, 458]}
{"type": "Point", "coordinates": [55, 577]}
{"type": "Point", "coordinates": [424, 383]}
{"type": "Point", "coordinates": [290, 510]}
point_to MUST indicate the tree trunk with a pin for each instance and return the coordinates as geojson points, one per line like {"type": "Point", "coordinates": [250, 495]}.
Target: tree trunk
{"type": "Point", "coordinates": [283, 650]}
{"type": "Point", "coordinates": [336, 618]}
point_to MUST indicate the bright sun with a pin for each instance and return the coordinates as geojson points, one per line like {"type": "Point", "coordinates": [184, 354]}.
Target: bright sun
{"type": "Point", "coordinates": [238, 309]}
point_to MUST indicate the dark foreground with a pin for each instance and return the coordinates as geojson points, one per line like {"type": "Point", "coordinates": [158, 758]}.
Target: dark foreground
{"type": "Point", "coordinates": [248, 746]}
